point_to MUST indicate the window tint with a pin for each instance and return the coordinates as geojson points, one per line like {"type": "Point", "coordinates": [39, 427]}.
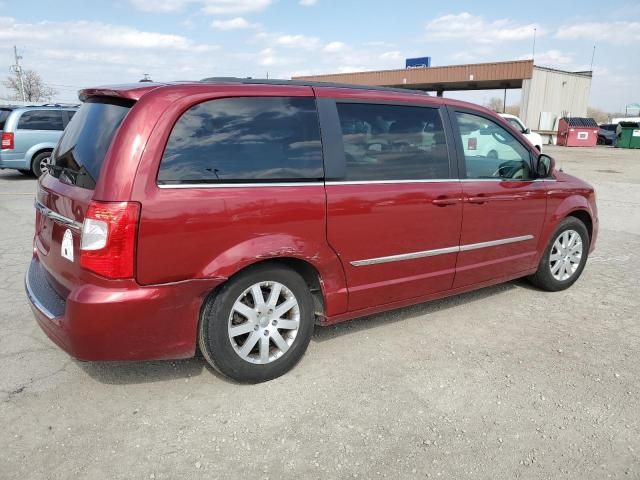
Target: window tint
{"type": "Point", "coordinates": [4, 114]}
{"type": "Point", "coordinates": [245, 139]}
{"type": "Point", "coordinates": [515, 124]}
{"type": "Point", "coordinates": [490, 151]}
{"type": "Point", "coordinates": [41, 120]}
{"type": "Point", "coordinates": [88, 135]}
{"type": "Point", "coordinates": [390, 142]}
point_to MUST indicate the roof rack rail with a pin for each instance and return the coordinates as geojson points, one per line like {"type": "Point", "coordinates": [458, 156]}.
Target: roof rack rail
{"type": "Point", "coordinates": [307, 83]}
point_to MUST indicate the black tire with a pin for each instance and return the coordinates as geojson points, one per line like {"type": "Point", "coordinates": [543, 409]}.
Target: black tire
{"type": "Point", "coordinates": [35, 163]}
{"type": "Point", "coordinates": [213, 335]}
{"type": "Point", "coordinates": [543, 278]}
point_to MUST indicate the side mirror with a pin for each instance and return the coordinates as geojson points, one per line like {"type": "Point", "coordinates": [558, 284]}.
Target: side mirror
{"type": "Point", "coordinates": [527, 131]}
{"type": "Point", "coordinates": [545, 165]}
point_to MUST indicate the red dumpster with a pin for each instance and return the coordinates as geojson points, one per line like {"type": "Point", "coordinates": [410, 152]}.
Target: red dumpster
{"type": "Point", "coordinates": [577, 132]}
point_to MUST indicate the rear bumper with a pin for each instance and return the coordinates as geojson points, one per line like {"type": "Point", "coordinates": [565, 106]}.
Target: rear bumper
{"type": "Point", "coordinates": [127, 322]}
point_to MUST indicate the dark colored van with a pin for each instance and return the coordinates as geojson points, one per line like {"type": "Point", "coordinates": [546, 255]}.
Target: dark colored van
{"type": "Point", "coordinates": [235, 215]}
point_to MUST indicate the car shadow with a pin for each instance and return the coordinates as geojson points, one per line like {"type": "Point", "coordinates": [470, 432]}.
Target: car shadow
{"type": "Point", "coordinates": [322, 334]}
{"type": "Point", "coordinates": [15, 175]}
{"type": "Point", "coordinates": [128, 373]}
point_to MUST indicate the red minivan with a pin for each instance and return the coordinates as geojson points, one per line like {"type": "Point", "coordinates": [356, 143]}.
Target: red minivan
{"type": "Point", "coordinates": [235, 215]}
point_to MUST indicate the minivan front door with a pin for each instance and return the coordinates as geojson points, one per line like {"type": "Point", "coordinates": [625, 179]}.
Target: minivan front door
{"type": "Point", "coordinates": [395, 210]}
{"type": "Point", "coordinates": [504, 206]}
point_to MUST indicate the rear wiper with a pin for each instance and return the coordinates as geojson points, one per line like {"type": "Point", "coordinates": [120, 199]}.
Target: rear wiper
{"type": "Point", "coordinates": [79, 177]}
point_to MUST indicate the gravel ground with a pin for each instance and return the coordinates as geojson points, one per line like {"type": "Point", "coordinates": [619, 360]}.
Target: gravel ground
{"type": "Point", "coordinates": [505, 382]}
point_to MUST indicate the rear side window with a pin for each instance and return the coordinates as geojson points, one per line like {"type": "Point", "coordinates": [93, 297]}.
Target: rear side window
{"type": "Point", "coordinates": [4, 114]}
{"type": "Point", "coordinates": [88, 135]}
{"type": "Point", "coordinates": [245, 139]}
{"type": "Point", "coordinates": [41, 120]}
{"type": "Point", "coordinates": [393, 142]}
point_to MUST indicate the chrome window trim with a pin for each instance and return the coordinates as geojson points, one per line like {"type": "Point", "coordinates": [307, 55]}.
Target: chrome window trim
{"type": "Point", "coordinates": [240, 185]}
{"type": "Point", "coordinates": [440, 251]}
{"type": "Point", "coordinates": [56, 217]}
{"type": "Point", "coordinates": [385, 182]}
{"type": "Point", "coordinates": [342, 182]}
{"type": "Point", "coordinates": [36, 303]}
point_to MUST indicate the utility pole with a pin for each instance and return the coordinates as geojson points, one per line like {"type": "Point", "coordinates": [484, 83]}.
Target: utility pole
{"type": "Point", "coordinates": [18, 71]}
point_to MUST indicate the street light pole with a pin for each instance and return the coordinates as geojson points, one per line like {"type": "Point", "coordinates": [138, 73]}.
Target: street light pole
{"type": "Point", "coordinates": [18, 70]}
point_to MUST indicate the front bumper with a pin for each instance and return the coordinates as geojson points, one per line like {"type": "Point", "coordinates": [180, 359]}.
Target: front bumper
{"type": "Point", "coordinates": [126, 322]}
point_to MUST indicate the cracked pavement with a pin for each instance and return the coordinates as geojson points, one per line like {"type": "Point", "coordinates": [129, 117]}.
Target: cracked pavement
{"type": "Point", "coordinates": [506, 382]}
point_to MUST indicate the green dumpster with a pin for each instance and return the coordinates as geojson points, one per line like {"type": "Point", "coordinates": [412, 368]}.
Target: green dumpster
{"type": "Point", "coordinates": [628, 135]}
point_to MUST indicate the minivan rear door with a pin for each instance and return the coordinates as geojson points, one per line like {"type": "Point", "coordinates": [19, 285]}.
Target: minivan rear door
{"type": "Point", "coordinates": [65, 192]}
{"type": "Point", "coordinates": [394, 212]}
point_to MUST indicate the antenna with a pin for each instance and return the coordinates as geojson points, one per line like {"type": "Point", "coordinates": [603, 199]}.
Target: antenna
{"type": "Point", "coordinates": [533, 53]}
{"type": "Point", "coordinates": [593, 55]}
{"type": "Point", "coordinates": [18, 71]}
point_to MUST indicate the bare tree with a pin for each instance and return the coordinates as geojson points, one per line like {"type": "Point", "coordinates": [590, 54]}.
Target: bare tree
{"type": "Point", "coordinates": [35, 90]}
{"type": "Point", "coordinates": [495, 104]}
{"type": "Point", "coordinates": [513, 110]}
{"type": "Point", "coordinates": [598, 115]}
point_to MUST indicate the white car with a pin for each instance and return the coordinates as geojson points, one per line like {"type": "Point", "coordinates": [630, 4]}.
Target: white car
{"type": "Point", "coordinates": [533, 137]}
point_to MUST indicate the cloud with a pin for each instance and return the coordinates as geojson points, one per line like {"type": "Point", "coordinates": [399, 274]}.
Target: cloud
{"type": "Point", "coordinates": [297, 41]}
{"type": "Point", "coordinates": [334, 47]}
{"type": "Point", "coordinates": [237, 23]}
{"type": "Point", "coordinates": [614, 32]}
{"type": "Point", "coordinates": [308, 3]}
{"type": "Point", "coordinates": [210, 7]}
{"type": "Point", "coordinates": [234, 7]}
{"type": "Point", "coordinates": [392, 55]}
{"type": "Point", "coordinates": [550, 58]}
{"type": "Point", "coordinates": [465, 26]}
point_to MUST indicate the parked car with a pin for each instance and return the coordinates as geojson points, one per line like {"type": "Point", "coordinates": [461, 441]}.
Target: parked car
{"type": "Point", "coordinates": [515, 122]}
{"type": "Point", "coordinates": [607, 134]}
{"type": "Point", "coordinates": [235, 215]}
{"type": "Point", "coordinates": [29, 135]}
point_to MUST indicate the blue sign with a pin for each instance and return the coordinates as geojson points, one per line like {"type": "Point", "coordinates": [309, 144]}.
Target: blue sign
{"type": "Point", "coordinates": [421, 62]}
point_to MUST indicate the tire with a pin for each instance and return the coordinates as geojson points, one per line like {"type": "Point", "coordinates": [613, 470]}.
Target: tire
{"type": "Point", "coordinates": [225, 352]}
{"type": "Point", "coordinates": [545, 278]}
{"type": "Point", "coordinates": [37, 162]}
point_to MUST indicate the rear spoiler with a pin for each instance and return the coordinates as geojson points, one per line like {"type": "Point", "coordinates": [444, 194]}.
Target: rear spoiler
{"type": "Point", "coordinates": [126, 92]}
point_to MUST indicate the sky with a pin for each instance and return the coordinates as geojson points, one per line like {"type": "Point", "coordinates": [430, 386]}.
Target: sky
{"type": "Point", "coordinates": [75, 44]}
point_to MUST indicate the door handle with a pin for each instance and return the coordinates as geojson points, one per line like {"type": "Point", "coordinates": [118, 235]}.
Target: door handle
{"type": "Point", "coordinates": [443, 202]}
{"type": "Point", "coordinates": [479, 199]}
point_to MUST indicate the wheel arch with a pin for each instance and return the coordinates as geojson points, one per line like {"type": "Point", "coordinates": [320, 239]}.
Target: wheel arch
{"type": "Point", "coordinates": [585, 217]}
{"type": "Point", "coordinates": [38, 149]}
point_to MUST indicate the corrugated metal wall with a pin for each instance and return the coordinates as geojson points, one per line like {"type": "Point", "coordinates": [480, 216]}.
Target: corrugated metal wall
{"type": "Point", "coordinates": [551, 94]}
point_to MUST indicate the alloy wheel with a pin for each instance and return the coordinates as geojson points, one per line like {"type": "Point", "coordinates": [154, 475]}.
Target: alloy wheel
{"type": "Point", "coordinates": [566, 254]}
{"type": "Point", "coordinates": [264, 322]}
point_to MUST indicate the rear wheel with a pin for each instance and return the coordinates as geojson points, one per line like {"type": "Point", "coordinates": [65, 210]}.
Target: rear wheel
{"type": "Point", "coordinates": [258, 326]}
{"type": "Point", "coordinates": [564, 258]}
{"type": "Point", "coordinates": [40, 163]}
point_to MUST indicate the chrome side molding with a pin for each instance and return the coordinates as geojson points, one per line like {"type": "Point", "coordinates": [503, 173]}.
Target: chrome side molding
{"type": "Point", "coordinates": [440, 251]}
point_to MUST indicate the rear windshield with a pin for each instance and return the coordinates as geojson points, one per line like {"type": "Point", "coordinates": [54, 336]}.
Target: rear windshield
{"type": "Point", "coordinates": [85, 141]}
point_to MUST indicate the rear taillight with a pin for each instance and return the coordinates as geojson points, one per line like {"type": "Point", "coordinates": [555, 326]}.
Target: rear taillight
{"type": "Point", "coordinates": [108, 239]}
{"type": "Point", "coordinates": [7, 140]}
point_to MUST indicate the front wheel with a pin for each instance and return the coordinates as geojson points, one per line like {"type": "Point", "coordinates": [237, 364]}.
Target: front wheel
{"type": "Point", "coordinates": [564, 258]}
{"type": "Point", "coordinates": [258, 326]}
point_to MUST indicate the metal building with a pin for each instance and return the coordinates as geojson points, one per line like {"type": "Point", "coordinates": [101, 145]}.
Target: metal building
{"type": "Point", "coordinates": [547, 94]}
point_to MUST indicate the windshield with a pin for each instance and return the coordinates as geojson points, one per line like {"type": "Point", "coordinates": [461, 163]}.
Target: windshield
{"type": "Point", "coordinates": [84, 144]}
